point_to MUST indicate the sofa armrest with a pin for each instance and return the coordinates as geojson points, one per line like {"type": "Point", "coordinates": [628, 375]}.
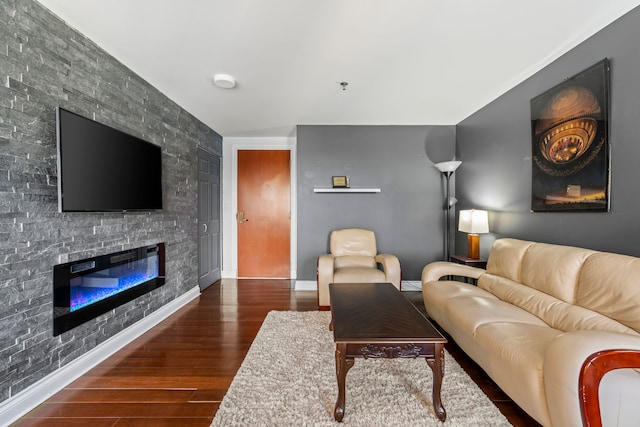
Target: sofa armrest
{"type": "Point", "coordinates": [324, 275]}
{"type": "Point", "coordinates": [391, 267]}
{"type": "Point", "coordinates": [435, 270]}
{"type": "Point", "coordinates": [594, 368]}
{"type": "Point", "coordinates": [563, 361]}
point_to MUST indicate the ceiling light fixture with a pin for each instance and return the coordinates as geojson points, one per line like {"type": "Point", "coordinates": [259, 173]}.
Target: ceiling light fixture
{"type": "Point", "coordinates": [344, 85]}
{"type": "Point", "coordinates": [225, 81]}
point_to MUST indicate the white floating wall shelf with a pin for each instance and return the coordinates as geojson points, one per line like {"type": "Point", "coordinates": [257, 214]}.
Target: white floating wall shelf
{"type": "Point", "coordinates": [346, 190]}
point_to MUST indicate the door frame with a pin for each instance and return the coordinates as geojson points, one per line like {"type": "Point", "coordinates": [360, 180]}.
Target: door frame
{"type": "Point", "coordinates": [230, 197]}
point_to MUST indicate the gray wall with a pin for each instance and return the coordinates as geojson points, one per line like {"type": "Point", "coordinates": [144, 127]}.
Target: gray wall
{"type": "Point", "coordinates": [495, 147]}
{"type": "Point", "coordinates": [407, 215]}
{"type": "Point", "coordinates": [44, 64]}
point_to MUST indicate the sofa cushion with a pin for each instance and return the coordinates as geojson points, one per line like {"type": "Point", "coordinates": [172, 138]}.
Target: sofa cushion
{"type": "Point", "coordinates": [353, 241]}
{"type": "Point", "coordinates": [354, 261]}
{"type": "Point", "coordinates": [474, 311]}
{"type": "Point", "coordinates": [609, 285]}
{"type": "Point", "coordinates": [460, 308]}
{"type": "Point", "coordinates": [513, 356]}
{"type": "Point", "coordinates": [358, 275]}
{"type": "Point", "coordinates": [554, 269]}
{"type": "Point", "coordinates": [438, 295]}
{"type": "Point", "coordinates": [467, 306]}
{"type": "Point", "coordinates": [505, 258]}
{"type": "Point", "coordinates": [554, 312]}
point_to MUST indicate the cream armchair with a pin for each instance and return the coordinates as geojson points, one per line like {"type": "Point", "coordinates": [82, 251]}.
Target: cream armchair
{"type": "Point", "coordinates": [354, 259]}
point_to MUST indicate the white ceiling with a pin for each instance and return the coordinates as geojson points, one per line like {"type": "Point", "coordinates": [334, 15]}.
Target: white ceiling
{"type": "Point", "coordinates": [407, 62]}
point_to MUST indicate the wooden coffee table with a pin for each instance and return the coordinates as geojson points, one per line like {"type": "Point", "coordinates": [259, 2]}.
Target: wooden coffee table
{"type": "Point", "coordinates": [374, 320]}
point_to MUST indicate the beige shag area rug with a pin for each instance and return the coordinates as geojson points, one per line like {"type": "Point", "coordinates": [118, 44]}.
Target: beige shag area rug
{"type": "Point", "coordinates": [288, 379]}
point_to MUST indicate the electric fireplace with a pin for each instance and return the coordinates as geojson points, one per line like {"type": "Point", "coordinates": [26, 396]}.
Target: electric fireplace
{"type": "Point", "coordinates": [85, 289]}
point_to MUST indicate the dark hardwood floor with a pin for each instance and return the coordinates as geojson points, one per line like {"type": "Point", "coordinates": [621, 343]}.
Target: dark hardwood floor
{"type": "Point", "coordinates": [177, 373]}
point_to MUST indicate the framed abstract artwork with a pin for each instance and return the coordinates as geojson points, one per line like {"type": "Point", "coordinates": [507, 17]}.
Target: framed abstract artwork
{"type": "Point", "coordinates": [570, 144]}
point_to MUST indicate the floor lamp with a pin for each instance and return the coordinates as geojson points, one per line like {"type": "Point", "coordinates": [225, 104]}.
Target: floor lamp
{"type": "Point", "coordinates": [447, 169]}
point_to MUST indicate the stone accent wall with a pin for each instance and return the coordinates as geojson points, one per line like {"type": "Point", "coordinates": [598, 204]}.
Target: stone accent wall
{"type": "Point", "coordinates": [44, 64]}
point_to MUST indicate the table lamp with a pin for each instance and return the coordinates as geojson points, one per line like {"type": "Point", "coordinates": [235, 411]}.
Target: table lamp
{"type": "Point", "coordinates": [473, 221]}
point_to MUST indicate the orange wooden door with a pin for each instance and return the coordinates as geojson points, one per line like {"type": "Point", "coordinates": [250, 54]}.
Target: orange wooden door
{"type": "Point", "coordinates": [263, 215]}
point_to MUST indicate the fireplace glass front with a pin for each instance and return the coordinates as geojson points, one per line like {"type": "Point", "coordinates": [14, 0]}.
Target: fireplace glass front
{"type": "Point", "coordinates": [88, 288]}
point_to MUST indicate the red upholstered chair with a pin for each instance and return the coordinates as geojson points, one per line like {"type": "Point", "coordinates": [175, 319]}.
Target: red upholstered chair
{"type": "Point", "coordinates": [591, 373]}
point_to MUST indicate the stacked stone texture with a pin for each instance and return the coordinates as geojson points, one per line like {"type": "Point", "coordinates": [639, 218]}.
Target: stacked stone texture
{"type": "Point", "coordinates": [45, 64]}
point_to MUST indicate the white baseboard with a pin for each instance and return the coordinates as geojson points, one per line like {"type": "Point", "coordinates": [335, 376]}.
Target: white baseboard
{"type": "Point", "coordinates": [233, 274]}
{"type": "Point", "coordinates": [23, 402]}
{"type": "Point", "coordinates": [411, 285]}
{"type": "Point", "coordinates": [312, 285]}
{"type": "Point", "coordinates": [228, 274]}
{"type": "Point", "coordinates": [306, 285]}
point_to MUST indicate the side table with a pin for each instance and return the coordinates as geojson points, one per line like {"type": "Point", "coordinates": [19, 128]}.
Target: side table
{"type": "Point", "coordinates": [459, 259]}
{"type": "Point", "coordinates": [479, 263]}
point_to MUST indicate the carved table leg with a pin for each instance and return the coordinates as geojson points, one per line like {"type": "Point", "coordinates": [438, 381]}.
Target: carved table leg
{"type": "Point", "coordinates": [437, 366]}
{"type": "Point", "coordinates": [342, 367]}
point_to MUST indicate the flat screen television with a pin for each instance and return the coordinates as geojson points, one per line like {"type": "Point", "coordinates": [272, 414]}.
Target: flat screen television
{"type": "Point", "coordinates": [101, 169]}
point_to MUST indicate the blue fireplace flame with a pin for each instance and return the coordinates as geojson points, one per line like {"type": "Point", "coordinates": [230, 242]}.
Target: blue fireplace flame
{"type": "Point", "coordinates": [99, 285]}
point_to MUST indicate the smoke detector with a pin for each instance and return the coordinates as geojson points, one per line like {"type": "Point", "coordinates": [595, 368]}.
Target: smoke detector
{"type": "Point", "coordinates": [225, 81]}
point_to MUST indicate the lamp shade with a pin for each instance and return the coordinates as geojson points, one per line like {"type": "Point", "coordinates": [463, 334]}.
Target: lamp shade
{"type": "Point", "coordinates": [449, 166]}
{"type": "Point", "coordinates": [474, 221]}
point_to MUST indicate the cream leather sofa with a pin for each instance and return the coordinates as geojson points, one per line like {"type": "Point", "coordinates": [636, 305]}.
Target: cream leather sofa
{"type": "Point", "coordinates": [537, 312]}
{"type": "Point", "coordinates": [354, 258]}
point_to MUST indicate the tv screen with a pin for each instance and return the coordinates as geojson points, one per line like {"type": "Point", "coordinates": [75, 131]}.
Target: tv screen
{"type": "Point", "coordinates": [101, 169]}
